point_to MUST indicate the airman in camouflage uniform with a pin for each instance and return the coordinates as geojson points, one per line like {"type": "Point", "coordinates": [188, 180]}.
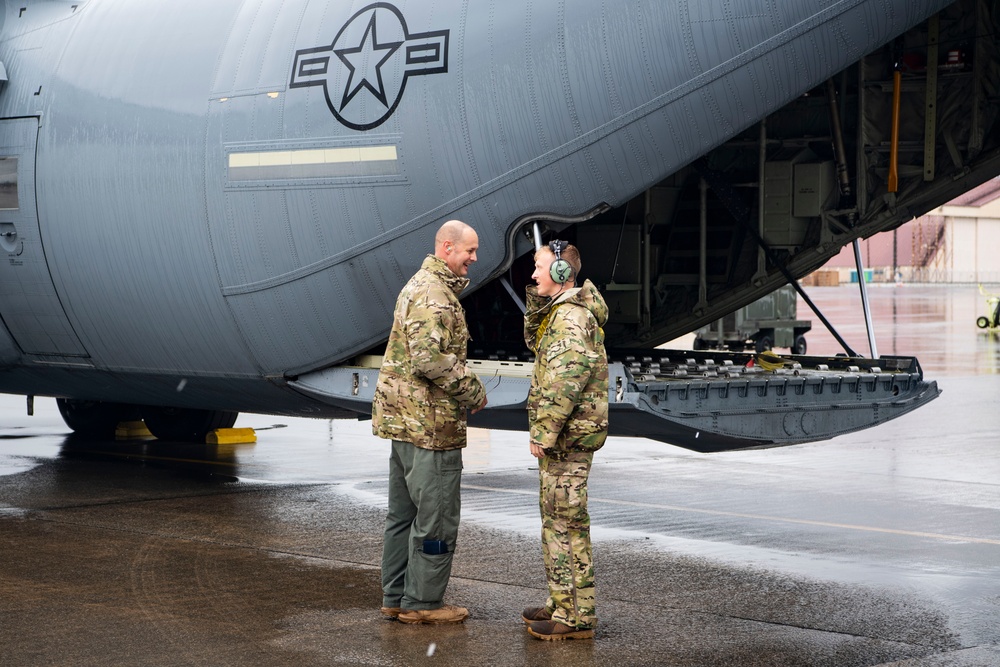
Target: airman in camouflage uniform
{"type": "Point", "coordinates": [423, 391]}
{"type": "Point", "coordinates": [568, 421]}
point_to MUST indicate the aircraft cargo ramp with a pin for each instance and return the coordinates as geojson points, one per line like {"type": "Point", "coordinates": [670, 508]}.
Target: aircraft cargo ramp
{"type": "Point", "coordinates": [703, 401]}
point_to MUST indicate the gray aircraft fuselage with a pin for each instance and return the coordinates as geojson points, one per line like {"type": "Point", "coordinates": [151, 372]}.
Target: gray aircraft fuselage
{"type": "Point", "coordinates": [212, 198]}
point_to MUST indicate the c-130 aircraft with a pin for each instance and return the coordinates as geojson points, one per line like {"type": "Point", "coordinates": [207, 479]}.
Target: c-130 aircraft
{"type": "Point", "coordinates": [208, 208]}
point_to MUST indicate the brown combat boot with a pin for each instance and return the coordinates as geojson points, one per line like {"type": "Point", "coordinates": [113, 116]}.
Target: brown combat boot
{"type": "Point", "coordinates": [390, 612]}
{"type": "Point", "coordinates": [532, 614]}
{"type": "Point", "coordinates": [446, 614]}
{"type": "Point", "coordinates": [553, 630]}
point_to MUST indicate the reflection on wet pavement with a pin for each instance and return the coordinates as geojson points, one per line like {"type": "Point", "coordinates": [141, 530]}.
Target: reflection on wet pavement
{"type": "Point", "coordinates": [876, 547]}
{"type": "Point", "coordinates": [935, 323]}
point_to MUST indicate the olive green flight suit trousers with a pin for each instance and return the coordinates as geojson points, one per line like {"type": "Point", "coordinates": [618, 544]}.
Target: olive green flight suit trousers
{"type": "Point", "coordinates": [424, 509]}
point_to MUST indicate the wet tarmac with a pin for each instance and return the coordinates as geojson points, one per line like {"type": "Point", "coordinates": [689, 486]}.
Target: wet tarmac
{"type": "Point", "coordinates": [879, 548]}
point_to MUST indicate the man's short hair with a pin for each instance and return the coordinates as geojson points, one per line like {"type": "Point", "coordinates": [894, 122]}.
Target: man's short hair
{"type": "Point", "coordinates": [571, 254]}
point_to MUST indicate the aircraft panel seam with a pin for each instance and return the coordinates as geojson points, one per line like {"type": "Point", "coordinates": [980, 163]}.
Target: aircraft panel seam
{"type": "Point", "coordinates": [580, 143]}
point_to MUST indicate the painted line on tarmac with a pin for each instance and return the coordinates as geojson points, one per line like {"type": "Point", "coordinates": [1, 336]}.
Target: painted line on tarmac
{"type": "Point", "coordinates": [762, 517]}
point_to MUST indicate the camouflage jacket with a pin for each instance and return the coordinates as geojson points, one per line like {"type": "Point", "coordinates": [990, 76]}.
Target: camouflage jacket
{"type": "Point", "coordinates": [424, 386]}
{"type": "Point", "coordinates": [568, 400]}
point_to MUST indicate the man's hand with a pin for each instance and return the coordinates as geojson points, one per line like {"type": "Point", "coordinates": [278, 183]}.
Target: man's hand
{"type": "Point", "coordinates": [537, 451]}
{"type": "Point", "coordinates": [475, 410]}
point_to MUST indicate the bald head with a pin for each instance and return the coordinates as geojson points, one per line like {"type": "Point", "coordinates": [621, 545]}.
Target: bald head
{"type": "Point", "coordinates": [451, 231]}
{"type": "Point", "coordinates": [456, 243]}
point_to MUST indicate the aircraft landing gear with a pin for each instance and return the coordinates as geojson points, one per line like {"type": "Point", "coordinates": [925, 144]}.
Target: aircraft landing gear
{"type": "Point", "coordinates": [186, 424]}
{"type": "Point", "coordinates": [99, 420]}
{"type": "Point", "coordinates": [94, 418]}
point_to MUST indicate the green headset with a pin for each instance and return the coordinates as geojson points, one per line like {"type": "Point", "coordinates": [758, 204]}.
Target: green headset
{"type": "Point", "coordinates": [560, 270]}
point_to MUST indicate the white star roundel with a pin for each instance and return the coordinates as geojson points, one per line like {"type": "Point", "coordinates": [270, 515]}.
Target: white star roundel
{"type": "Point", "coordinates": [364, 71]}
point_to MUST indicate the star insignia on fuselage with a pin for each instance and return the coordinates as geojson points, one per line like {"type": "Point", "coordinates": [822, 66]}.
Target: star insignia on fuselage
{"type": "Point", "coordinates": [356, 61]}
{"type": "Point", "coordinates": [362, 57]}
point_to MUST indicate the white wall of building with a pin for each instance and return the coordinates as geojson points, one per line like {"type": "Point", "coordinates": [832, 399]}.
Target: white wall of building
{"type": "Point", "coordinates": [972, 244]}
{"type": "Point", "coordinates": [969, 251]}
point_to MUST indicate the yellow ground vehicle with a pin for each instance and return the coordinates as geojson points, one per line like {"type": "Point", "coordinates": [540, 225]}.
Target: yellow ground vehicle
{"type": "Point", "coordinates": [992, 318]}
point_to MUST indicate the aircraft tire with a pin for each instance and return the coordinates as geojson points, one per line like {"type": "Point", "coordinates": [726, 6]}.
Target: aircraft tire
{"type": "Point", "coordinates": [186, 424]}
{"type": "Point", "coordinates": [95, 418]}
{"type": "Point", "coordinates": [982, 322]}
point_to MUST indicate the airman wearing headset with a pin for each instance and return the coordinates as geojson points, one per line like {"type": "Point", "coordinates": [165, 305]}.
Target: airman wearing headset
{"type": "Point", "coordinates": [568, 422]}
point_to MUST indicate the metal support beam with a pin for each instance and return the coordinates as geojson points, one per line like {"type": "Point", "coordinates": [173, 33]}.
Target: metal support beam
{"type": "Point", "coordinates": [703, 248]}
{"type": "Point", "coordinates": [762, 161]}
{"type": "Point", "coordinates": [538, 236]}
{"type": "Point", "coordinates": [930, 98]}
{"type": "Point", "coordinates": [843, 178]}
{"type": "Point", "coordinates": [510, 290]}
{"type": "Point", "coordinates": [744, 216]}
{"type": "Point", "coordinates": [864, 298]}
{"type": "Point", "coordinates": [980, 67]}
{"type": "Point", "coordinates": [798, 288]}
{"type": "Point", "coordinates": [861, 166]}
{"type": "Point", "coordinates": [645, 266]}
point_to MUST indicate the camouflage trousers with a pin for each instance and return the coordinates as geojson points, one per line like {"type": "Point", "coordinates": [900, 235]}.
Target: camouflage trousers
{"type": "Point", "coordinates": [566, 550]}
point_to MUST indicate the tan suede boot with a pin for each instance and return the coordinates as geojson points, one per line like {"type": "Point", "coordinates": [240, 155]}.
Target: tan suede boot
{"type": "Point", "coordinates": [446, 614]}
